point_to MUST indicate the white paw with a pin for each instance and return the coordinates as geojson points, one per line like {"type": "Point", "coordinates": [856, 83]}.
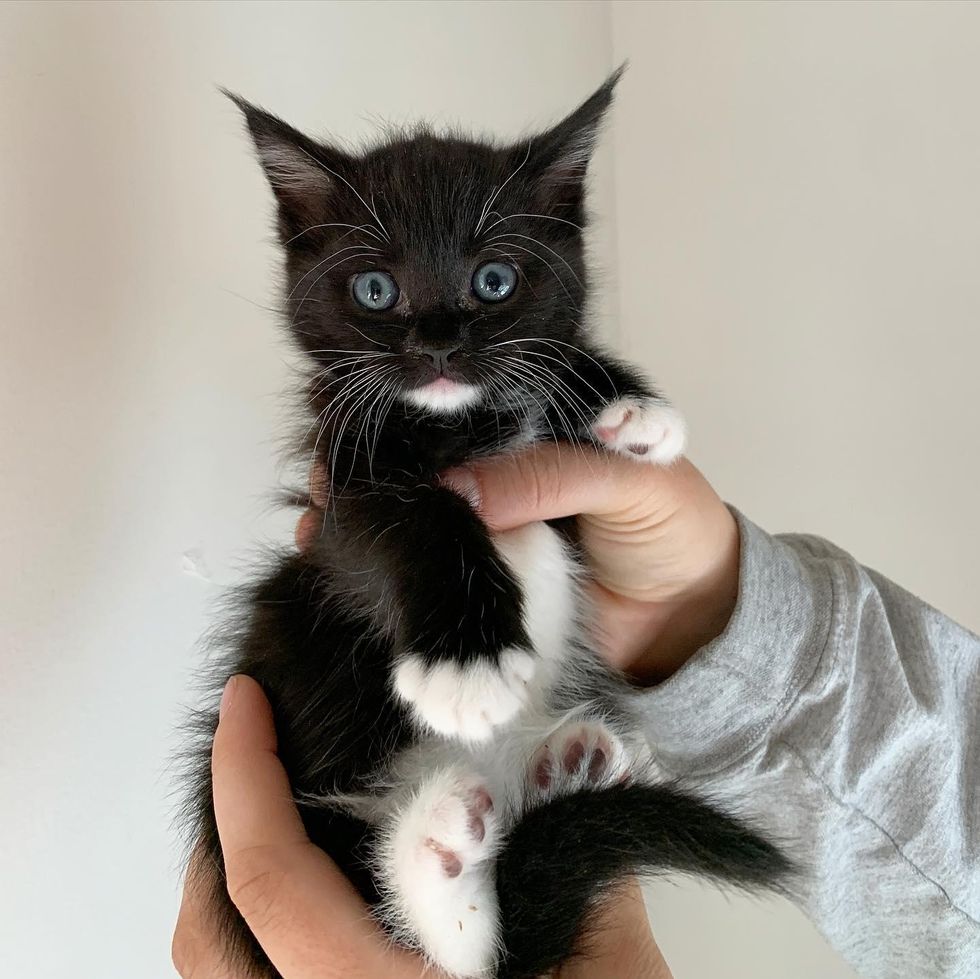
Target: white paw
{"type": "Point", "coordinates": [579, 755]}
{"type": "Point", "coordinates": [441, 855]}
{"type": "Point", "coordinates": [466, 702]}
{"type": "Point", "coordinates": [642, 428]}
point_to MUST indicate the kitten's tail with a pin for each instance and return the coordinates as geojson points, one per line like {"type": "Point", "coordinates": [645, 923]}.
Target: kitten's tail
{"type": "Point", "coordinates": [562, 856]}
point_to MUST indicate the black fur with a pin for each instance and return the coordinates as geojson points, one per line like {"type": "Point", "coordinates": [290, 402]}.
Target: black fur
{"type": "Point", "coordinates": [385, 577]}
{"type": "Point", "coordinates": [562, 856]}
{"type": "Point", "coordinates": [326, 677]}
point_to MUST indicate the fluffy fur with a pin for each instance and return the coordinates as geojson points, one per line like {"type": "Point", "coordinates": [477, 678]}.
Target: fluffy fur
{"type": "Point", "coordinates": [452, 741]}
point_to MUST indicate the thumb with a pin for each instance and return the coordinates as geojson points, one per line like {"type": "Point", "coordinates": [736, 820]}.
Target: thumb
{"type": "Point", "coordinates": [550, 481]}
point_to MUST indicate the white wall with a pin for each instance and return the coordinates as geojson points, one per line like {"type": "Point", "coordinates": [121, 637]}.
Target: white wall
{"type": "Point", "coordinates": [798, 237]}
{"type": "Point", "coordinates": [796, 233]}
{"type": "Point", "coordinates": [140, 388]}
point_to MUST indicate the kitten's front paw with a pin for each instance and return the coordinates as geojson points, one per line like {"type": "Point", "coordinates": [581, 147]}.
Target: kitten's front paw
{"type": "Point", "coordinates": [643, 429]}
{"type": "Point", "coordinates": [466, 702]}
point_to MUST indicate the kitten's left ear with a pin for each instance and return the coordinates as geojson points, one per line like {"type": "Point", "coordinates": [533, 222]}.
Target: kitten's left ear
{"type": "Point", "coordinates": [560, 156]}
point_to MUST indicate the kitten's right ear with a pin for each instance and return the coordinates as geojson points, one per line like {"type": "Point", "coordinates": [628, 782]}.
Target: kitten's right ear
{"type": "Point", "coordinates": [301, 171]}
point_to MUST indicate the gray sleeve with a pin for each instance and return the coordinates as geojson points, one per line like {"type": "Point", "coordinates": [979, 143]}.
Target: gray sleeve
{"type": "Point", "coordinates": [842, 714]}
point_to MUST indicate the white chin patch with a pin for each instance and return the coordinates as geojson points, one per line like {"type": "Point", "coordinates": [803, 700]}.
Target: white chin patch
{"type": "Point", "coordinates": [443, 396]}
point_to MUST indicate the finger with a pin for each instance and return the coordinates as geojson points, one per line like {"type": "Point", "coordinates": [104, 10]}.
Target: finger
{"type": "Point", "coordinates": [305, 914]}
{"type": "Point", "coordinates": [620, 945]}
{"type": "Point", "coordinates": [196, 949]}
{"type": "Point", "coordinates": [252, 797]}
{"type": "Point", "coordinates": [550, 481]}
{"type": "Point", "coordinates": [308, 529]}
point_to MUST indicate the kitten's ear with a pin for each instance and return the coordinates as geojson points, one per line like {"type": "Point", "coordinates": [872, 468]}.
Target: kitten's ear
{"type": "Point", "coordinates": [301, 171]}
{"type": "Point", "coordinates": [561, 155]}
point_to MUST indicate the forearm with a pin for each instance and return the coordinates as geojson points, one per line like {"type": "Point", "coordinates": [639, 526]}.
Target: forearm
{"type": "Point", "coordinates": [841, 714]}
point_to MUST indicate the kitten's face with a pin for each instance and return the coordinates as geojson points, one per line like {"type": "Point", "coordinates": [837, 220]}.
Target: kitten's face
{"type": "Point", "coordinates": [438, 271]}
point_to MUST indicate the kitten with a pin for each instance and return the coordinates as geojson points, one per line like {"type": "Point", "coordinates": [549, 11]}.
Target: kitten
{"type": "Point", "coordinates": [453, 742]}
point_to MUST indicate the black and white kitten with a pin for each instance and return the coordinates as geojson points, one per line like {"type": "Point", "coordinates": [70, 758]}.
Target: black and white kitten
{"type": "Point", "coordinates": [453, 742]}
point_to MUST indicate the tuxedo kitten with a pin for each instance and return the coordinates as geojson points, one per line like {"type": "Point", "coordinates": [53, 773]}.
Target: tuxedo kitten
{"type": "Point", "coordinates": [453, 741]}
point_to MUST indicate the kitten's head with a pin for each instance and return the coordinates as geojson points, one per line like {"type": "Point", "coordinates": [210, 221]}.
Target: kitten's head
{"type": "Point", "coordinates": [436, 269]}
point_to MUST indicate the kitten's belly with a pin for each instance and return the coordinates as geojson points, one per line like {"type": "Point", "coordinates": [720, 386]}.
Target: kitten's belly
{"type": "Point", "coordinates": [503, 764]}
{"type": "Point", "coordinates": [548, 574]}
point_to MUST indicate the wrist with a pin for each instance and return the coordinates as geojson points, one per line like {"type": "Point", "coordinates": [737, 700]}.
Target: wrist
{"type": "Point", "coordinates": [622, 945]}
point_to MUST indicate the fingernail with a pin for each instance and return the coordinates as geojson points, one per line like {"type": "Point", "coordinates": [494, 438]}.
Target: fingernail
{"type": "Point", "coordinates": [227, 696]}
{"type": "Point", "coordinates": [463, 482]}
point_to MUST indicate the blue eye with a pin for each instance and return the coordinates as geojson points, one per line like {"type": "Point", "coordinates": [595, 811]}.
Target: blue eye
{"type": "Point", "coordinates": [494, 282]}
{"type": "Point", "coordinates": [375, 290]}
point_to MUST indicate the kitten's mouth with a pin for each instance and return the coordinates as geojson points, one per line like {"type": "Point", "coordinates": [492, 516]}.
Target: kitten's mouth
{"type": "Point", "coordinates": [443, 395]}
{"type": "Point", "coordinates": [442, 385]}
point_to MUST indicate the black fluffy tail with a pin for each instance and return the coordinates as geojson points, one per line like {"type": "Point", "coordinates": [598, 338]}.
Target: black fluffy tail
{"type": "Point", "coordinates": [563, 855]}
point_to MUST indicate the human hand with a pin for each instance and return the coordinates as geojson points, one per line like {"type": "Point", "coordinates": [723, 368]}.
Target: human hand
{"type": "Point", "coordinates": [662, 547]}
{"type": "Point", "coordinates": [306, 915]}
{"type": "Point", "coordinates": [304, 912]}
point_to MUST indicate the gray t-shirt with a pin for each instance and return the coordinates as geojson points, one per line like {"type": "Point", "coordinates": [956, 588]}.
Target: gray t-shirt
{"type": "Point", "coordinates": [842, 715]}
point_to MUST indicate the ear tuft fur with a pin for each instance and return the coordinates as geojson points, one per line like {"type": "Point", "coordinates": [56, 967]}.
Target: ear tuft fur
{"type": "Point", "coordinates": [565, 150]}
{"type": "Point", "coordinates": [297, 167]}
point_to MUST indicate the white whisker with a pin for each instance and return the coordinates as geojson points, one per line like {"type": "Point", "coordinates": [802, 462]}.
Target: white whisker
{"type": "Point", "coordinates": [561, 281]}
{"type": "Point", "coordinates": [513, 234]}
{"type": "Point", "coordinates": [366, 228]}
{"type": "Point", "coordinates": [325, 271]}
{"type": "Point", "coordinates": [495, 194]}
{"type": "Point", "coordinates": [324, 261]}
{"type": "Point", "coordinates": [543, 217]}
{"type": "Point", "coordinates": [370, 209]}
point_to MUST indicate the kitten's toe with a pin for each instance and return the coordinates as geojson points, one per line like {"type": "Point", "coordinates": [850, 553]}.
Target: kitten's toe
{"type": "Point", "coordinates": [578, 756]}
{"type": "Point", "coordinates": [642, 428]}
{"type": "Point", "coordinates": [461, 829]}
{"type": "Point", "coordinates": [470, 701]}
{"type": "Point", "coordinates": [518, 667]}
{"type": "Point", "coordinates": [448, 829]}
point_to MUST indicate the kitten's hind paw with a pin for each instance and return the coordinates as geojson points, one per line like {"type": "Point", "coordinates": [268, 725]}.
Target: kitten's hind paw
{"type": "Point", "coordinates": [579, 755]}
{"type": "Point", "coordinates": [466, 702]}
{"type": "Point", "coordinates": [440, 855]}
{"type": "Point", "coordinates": [644, 429]}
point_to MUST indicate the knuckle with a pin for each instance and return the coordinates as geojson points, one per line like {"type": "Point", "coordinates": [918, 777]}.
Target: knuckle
{"type": "Point", "coordinates": [183, 954]}
{"type": "Point", "coordinates": [537, 476]}
{"type": "Point", "coordinates": [255, 886]}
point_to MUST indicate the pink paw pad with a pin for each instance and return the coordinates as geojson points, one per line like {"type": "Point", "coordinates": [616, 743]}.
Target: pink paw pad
{"type": "Point", "coordinates": [608, 432]}
{"type": "Point", "coordinates": [452, 866]}
{"type": "Point", "coordinates": [583, 755]}
{"type": "Point", "coordinates": [465, 816]}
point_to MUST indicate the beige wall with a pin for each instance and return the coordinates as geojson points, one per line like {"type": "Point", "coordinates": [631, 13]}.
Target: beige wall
{"type": "Point", "coordinates": [796, 226]}
{"type": "Point", "coordinates": [798, 230]}
{"type": "Point", "coordinates": [798, 237]}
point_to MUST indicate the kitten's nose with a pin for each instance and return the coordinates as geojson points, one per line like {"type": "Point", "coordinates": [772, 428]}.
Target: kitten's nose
{"type": "Point", "coordinates": [440, 356]}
